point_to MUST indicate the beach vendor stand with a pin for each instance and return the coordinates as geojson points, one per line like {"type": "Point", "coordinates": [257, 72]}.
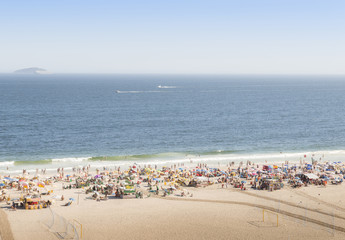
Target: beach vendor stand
{"type": "Point", "coordinates": [32, 203]}
{"type": "Point", "coordinates": [129, 189]}
{"type": "Point", "coordinates": [269, 184]}
{"type": "Point", "coordinates": [273, 184]}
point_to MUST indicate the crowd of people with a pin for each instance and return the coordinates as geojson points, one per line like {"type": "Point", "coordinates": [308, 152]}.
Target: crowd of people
{"type": "Point", "coordinates": [137, 181]}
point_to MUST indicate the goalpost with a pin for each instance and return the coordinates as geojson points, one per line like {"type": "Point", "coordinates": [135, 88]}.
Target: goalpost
{"type": "Point", "coordinates": [81, 228]}
{"type": "Point", "coordinates": [268, 218]}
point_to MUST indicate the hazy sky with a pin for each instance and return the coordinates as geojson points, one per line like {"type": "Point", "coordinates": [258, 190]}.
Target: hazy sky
{"type": "Point", "coordinates": [176, 36]}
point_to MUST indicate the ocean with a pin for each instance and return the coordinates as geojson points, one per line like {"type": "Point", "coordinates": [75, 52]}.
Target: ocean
{"type": "Point", "coordinates": [48, 121]}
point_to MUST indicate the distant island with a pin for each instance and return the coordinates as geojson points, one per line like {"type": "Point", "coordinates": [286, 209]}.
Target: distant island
{"type": "Point", "coordinates": [33, 70]}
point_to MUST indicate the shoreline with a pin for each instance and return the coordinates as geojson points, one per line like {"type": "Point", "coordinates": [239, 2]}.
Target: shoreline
{"type": "Point", "coordinates": [222, 159]}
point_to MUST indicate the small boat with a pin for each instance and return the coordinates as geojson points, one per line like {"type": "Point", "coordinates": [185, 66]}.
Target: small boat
{"type": "Point", "coordinates": [117, 91]}
{"type": "Point", "coordinates": [160, 86]}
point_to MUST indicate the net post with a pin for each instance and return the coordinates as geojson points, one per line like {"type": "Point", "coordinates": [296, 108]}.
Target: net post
{"type": "Point", "coordinates": [81, 228]}
{"type": "Point", "coordinates": [333, 232]}
{"type": "Point", "coordinates": [263, 215]}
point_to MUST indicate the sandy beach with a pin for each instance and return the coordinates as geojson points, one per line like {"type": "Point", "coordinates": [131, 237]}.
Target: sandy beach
{"type": "Point", "coordinates": [172, 120]}
{"type": "Point", "coordinates": [209, 212]}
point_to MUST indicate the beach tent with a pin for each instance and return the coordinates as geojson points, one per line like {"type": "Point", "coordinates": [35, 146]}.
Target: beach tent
{"type": "Point", "coordinates": [97, 193]}
{"type": "Point", "coordinates": [57, 197]}
{"type": "Point", "coordinates": [311, 176]}
{"type": "Point", "coordinates": [201, 179]}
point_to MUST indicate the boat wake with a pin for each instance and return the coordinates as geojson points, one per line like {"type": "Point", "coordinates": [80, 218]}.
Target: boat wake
{"type": "Point", "coordinates": [117, 91]}
{"type": "Point", "coordinates": [160, 86]}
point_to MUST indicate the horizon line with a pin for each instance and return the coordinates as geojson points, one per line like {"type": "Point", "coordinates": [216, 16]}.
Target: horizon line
{"type": "Point", "coordinates": [157, 73]}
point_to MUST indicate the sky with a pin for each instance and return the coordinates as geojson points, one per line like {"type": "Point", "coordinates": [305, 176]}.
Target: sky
{"type": "Point", "coordinates": [177, 36]}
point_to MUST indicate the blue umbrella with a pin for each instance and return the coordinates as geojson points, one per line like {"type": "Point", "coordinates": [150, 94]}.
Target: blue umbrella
{"type": "Point", "coordinates": [1, 184]}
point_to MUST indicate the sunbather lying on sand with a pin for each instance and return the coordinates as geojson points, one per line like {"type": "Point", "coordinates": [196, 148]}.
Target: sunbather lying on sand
{"type": "Point", "coordinates": [68, 204]}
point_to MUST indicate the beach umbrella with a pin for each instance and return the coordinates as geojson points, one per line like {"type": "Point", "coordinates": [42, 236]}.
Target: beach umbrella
{"type": "Point", "coordinates": [41, 184]}
{"type": "Point", "coordinates": [25, 185]}
{"type": "Point", "coordinates": [57, 197]}
{"type": "Point", "coordinates": [2, 184]}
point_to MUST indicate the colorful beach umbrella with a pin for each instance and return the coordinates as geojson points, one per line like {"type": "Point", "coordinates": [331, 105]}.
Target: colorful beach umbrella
{"type": "Point", "coordinates": [41, 184]}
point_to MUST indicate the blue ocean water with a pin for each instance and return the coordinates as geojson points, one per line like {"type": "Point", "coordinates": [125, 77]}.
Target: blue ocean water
{"type": "Point", "coordinates": [45, 117]}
